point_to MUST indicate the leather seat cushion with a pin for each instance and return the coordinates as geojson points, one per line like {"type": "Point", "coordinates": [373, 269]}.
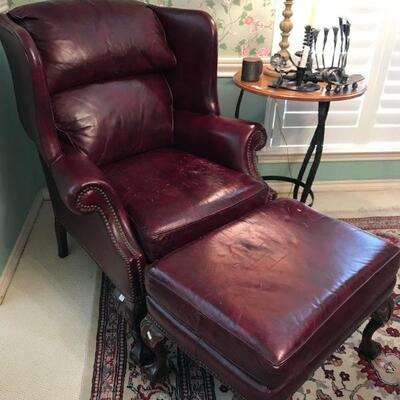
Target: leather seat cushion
{"type": "Point", "coordinates": [268, 291]}
{"type": "Point", "coordinates": [105, 40]}
{"type": "Point", "coordinates": [173, 197]}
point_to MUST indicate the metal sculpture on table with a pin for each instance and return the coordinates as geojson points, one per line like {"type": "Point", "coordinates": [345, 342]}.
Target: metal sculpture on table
{"type": "Point", "coordinates": [315, 67]}
{"type": "Point", "coordinates": [306, 77]}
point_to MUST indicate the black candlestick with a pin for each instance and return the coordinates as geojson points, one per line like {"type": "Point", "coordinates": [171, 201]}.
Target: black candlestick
{"type": "Point", "coordinates": [326, 32]}
{"type": "Point", "coordinates": [341, 40]}
{"type": "Point", "coordinates": [335, 34]}
{"type": "Point", "coordinates": [315, 39]}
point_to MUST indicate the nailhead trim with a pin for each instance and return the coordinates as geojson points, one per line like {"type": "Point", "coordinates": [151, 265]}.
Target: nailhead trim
{"type": "Point", "coordinates": [91, 208]}
{"type": "Point", "coordinates": [257, 141]}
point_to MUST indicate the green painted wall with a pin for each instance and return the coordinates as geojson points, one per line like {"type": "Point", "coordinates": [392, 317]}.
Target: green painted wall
{"type": "Point", "coordinates": [252, 108]}
{"type": "Point", "coordinates": [20, 177]}
{"type": "Point", "coordinates": [338, 171]}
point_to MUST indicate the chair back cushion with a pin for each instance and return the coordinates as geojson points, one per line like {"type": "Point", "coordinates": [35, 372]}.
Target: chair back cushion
{"type": "Point", "coordinates": [112, 120]}
{"type": "Point", "coordinates": [104, 62]}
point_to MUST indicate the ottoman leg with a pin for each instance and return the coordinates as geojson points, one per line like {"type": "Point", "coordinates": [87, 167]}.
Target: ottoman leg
{"type": "Point", "coordinates": [133, 313]}
{"type": "Point", "coordinates": [368, 347]}
{"type": "Point", "coordinates": [139, 353]}
{"type": "Point", "coordinates": [154, 339]}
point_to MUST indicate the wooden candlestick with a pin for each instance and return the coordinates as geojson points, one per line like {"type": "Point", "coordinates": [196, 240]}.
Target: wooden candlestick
{"type": "Point", "coordinates": [286, 27]}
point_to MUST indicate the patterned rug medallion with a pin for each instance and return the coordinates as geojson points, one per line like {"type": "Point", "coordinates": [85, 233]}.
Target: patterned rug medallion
{"type": "Point", "coordinates": [345, 375]}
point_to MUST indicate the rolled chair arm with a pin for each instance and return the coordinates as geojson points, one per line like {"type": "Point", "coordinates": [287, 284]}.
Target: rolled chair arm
{"type": "Point", "coordinates": [226, 141]}
{"type": "Point", "coordinates": [84, 189]}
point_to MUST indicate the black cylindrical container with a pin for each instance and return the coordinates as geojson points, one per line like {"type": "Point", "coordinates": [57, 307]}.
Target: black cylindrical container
{"type": "Point", "coordinates": [252, 68]}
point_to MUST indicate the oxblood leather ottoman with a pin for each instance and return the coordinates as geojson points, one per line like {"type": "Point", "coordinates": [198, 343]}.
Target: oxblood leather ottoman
{"type": "Point", "coordinates": [263, 301]}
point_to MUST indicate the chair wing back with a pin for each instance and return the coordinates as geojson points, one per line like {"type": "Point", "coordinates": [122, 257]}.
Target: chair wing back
{"type": "Point", "coordinates": [192, 36]}
{"type": "Point", "coordinates": [104, 64]}
{"type": "Point", "coordinates": [33, 100]}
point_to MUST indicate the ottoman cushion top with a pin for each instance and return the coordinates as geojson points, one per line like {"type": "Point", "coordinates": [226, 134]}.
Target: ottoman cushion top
{"type": "Point", "coordinates": [270, 291]}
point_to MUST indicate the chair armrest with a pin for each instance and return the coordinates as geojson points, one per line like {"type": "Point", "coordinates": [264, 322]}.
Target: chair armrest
{"type": "Point", "coordinates": [226, 141]}
{"type": "Point", "coordinates": [74, 174]}
{"type": "Point", "coordinates": [84, 189]}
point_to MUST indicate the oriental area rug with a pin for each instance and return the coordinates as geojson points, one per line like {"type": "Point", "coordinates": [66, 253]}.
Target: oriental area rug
{"type": "Point", "coordinates": [345, 375]}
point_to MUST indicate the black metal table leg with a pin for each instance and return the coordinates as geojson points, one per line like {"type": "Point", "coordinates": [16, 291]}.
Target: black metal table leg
{"type": "Point", "coordinates": [304, 165]}
{"type": "Point", "coordinates": [239, 102]}
{"type": "Point", "coordinates": [316, 146]}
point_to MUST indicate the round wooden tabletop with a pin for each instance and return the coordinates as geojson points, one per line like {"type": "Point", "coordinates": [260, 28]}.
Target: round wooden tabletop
{"type": "Point", "coordinates": [261, 87]}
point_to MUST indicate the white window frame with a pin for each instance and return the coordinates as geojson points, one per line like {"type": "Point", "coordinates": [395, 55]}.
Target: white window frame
{"type": "Point", "coordinates": [362, 148]}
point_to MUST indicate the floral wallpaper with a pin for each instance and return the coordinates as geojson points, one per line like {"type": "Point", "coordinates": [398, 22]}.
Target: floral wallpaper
{"type": "Point", "coordinates": [244, 26]}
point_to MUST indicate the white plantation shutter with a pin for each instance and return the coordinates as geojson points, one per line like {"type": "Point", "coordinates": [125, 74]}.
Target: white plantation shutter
{"type": "Point", "coordinates": [388, 115]}
{"type": "Point", "coordinates": [370, 123]}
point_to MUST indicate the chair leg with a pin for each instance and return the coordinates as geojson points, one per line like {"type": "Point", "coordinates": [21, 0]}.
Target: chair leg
{"type": "Point", "coordinates": [139, 353]}
{"type": "Point", "coordinates": [155, 340]}
{"type": "Point", "coordinates": [134, 312]}
{"type": "Point", "coordinates": [62, 241]}
{"type": "Point", "coordinates": [368, 347]}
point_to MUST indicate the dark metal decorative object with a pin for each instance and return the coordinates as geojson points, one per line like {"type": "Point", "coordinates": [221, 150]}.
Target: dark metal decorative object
{"type": "Point", "coordinates": [335, 35]}
{"type": "Point", "coordinates": [278, 62]}
{"type": "Point", "coordinates": [326, 33]}
{"type": "Point", "coordinates": [306, 77]}
{"type": "Point", "coordinates": [302, 80]}
{"type": "Point", "coordinates": [315, 33]}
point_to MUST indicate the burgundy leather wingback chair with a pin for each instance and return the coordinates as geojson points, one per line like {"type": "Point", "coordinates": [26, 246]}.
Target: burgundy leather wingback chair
{"type": "Point", "coordinates": [121, 100]}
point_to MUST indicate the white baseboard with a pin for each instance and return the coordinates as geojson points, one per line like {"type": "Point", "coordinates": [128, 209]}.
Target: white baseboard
{"type": "Point", "coordinates": [13, 260]}
{"type": "Point", "coordinates": [274, 157]}
{"type": "Point", "coordinates": [344, 186]}
{"type": "Point", "coordinates": [45, 194]}
{"type": "Point", "coordinates": [228, 66]}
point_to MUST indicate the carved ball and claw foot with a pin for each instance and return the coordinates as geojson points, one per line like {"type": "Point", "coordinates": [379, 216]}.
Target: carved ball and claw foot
{"type": "Point", "coordinates": [139, 353]}
{"type": "Point", "coordinates": [134, 312]}
{"type": "Point", "coordinates": [368, 347]}
{"type": "Point", "coordinates": [154, 339]}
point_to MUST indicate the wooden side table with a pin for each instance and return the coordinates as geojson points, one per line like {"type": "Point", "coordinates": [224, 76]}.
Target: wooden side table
{"type": "Point", "coordinates": [324, 100]}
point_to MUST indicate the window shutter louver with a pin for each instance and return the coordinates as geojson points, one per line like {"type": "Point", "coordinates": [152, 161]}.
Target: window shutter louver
{"type": "Point", "coordinates": [388, 115]}
{"type": "Point", "coordinates": [367, 124]}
